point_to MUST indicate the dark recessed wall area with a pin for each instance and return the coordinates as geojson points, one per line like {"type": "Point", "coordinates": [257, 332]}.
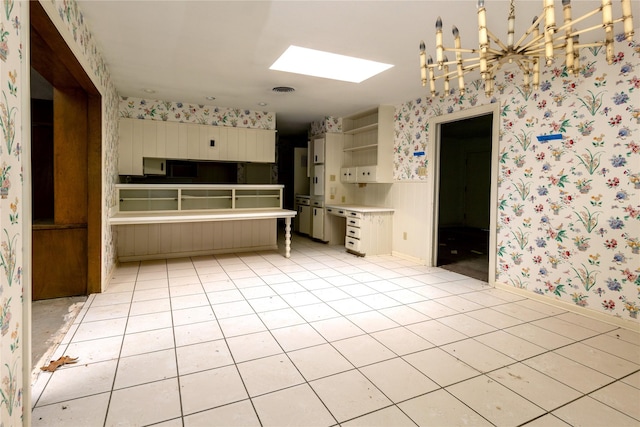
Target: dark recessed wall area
{"type": "Point", "coordinates": [42, 160]}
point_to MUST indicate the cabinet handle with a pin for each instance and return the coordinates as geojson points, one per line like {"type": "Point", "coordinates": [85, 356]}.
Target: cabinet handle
{"type": "Point", "coordinates": [352, 232]}
{"type": "Point", "coordinates": [352, 222]}
{"type": "Point", "coordinates": [351, 243]}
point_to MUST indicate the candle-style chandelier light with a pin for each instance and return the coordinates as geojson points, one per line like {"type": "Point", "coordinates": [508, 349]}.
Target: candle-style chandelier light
{"type": "Point", "coordinates": [527, 52]}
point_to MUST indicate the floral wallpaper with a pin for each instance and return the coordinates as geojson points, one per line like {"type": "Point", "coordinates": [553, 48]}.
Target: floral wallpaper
{"type": "Point", "coordinates": [327, 125]}
{"type": "Point", "coordinates": [13, 24]}
{"type": "Point", "coordinates": [11, 173]}
{"type": "Point", "coordinates": [568, 209]}
{"type": "Point", "coordinates": [172, 111]}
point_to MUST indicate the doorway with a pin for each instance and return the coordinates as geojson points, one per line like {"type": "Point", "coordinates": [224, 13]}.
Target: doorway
{"type": "Point", "coordinates": [465, 164]}
{"type": "Point", "coordinates": [66, 168]}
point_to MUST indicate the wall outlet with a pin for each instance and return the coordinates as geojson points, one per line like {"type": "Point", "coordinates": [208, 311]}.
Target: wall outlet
{"type": "Point", "coordinates": [422, 171]}
{"type": "Point", "coordinates": [332, 178]}
{"type": "Point", "coordinates": [404, 235]}
{"type": "Point", "coordinates": [344, 199]}
{"type": "Point", "coordinates": [332, 197]}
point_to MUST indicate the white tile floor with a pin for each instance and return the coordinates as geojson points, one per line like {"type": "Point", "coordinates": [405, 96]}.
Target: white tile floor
{"type": "Point", "coordinates": [326, 338]}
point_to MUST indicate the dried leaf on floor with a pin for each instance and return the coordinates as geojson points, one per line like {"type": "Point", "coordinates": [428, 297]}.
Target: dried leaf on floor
{"type": "Point", "coordinates": [55, 364]}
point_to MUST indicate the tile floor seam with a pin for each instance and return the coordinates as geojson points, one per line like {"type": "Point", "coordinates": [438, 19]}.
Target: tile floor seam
{"type": "Point", "coordinates": [124, 333]}
{"type": "Point", "coordinates": [175, 342]}
{"type": "Point", "coordinates": [305, 381]}
{"type": "Point", "coordinates": [233, 358]}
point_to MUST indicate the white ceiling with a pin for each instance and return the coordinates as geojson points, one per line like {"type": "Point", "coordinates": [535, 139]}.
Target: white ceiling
{"type": "Point", "coordinates": [187, 50]}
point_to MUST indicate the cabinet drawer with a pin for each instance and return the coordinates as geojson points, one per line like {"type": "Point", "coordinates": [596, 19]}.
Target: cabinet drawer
{"type": "Point", "coordinates": [353, 232]}
{"type": "Point", "coordinates": [353, 214]}
{"type": "Point", "coordinates": [352, 244]}
{"type": "Point", "coordinates": [336, 212]}
{"type": "Point", "coordinates": [353, 222]}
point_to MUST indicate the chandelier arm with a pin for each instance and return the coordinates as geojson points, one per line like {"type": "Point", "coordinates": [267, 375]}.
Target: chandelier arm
{"type": "Point", "coordinates": [461, 50]}
{"type": "Point", "coordinates": [470, 67]}
{"type": "Point", "coordinates": [494, 52]}
{"type": "Point", "coordinates": [541, 49]}
{"type": "Point", "coordinates": [531, 42]}
{"type": "Point", "coordinates": [586, 30]}
{"type": "Point", "coordinates": [529, 30]}
{"type": "Point", "coordinates": [496, 40]}
{"type": "Point", "coordinates": [582, 18]}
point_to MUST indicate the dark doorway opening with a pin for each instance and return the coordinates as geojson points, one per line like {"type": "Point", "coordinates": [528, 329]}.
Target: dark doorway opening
{"type": "Point", "coordinates": [464, 196]}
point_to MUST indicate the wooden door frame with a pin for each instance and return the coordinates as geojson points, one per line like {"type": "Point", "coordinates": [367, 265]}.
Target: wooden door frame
{"type": "Point", "coordinates": [55, 61]}
{"type": "Point", "coordinates": [433, 179]}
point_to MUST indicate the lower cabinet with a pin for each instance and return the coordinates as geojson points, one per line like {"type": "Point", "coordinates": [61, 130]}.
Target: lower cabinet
{"type": "Point", "coordinates": [368, 231]}
{"type": "Point", "coordinates": [317, 223]}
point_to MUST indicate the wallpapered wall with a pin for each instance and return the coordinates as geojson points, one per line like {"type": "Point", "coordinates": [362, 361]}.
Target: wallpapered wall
{"type": "Point", "coordinates": [568, 213]}
{"type": "Point", "coordinates": [11, 213]}
{"type": "Point", "coordinates": [173, 111]}
{"type": "Point", "coordinates": [14, 27]}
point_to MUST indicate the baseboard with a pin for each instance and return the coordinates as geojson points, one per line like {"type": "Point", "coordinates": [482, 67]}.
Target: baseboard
{"type": "Point", "coordinates": [196, 253]}
{"type": "Point", "coordinates": [408, 258]}
{"type": "Point", "coordinates": [612, 320]}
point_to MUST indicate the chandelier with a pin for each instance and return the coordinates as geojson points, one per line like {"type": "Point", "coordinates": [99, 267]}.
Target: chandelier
{"type": "Point", "coordinates": [527, 52]}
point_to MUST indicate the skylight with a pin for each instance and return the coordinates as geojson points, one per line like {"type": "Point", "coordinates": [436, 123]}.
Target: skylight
{"type": "Point", "coordinates": [328, 65]}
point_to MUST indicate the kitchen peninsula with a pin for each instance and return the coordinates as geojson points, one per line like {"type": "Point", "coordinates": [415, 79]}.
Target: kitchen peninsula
{"type": "Point", "coordinates": [177, 220]}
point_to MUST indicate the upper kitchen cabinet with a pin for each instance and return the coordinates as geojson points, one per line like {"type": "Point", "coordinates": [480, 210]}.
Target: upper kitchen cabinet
{"type": "Point", "coordinates": [368, 146]}
{"type": "Point", "coordinates": [318, 150]}
{"type": "Point", "coordinates": [188, 141]}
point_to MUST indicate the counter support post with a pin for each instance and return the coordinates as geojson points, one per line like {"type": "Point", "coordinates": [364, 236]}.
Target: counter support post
{"type": "Point", "coordinates": [287, 237]}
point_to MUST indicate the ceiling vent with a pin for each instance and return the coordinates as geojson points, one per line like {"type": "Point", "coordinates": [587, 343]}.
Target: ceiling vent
{"type": "Point", "coordinates": [283, 89]}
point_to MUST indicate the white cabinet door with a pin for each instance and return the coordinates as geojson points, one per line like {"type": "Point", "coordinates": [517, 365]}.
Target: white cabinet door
{"type": "Point", "coordinates": [252, 146]}
{"type": "Point", "coordinates": [317, 224]}
{"type": "Point", "coordinates": [233, 144]}
{"type": "Point", "coordinates": [161, 140]}
{"type": "Point", "coordinates": [219, 135]}
{"type": "Point", "coordinates": [183, 147]}
{"type": "Point", "coordinates": [318, 150]}
{"type": "Point", "coordinates": [172, 136]}
{"type": "Point", "coordinates": [193, 142]}
{"type": "Point", "coordinates": [367, 173]}
{"type": "Point", "coordinates": [125, 147]}
{"type": "Point", "coordinates": [149, 138]}
{"type": "Point", "coordinates": [266, 146]}
{"type": "Point", "coordinates": [304, 223]}
{"type": "Point", "coordinates": [348, 174]}
{"type": "Point", "coordinates": [137, 147]}
{"type": "Point", "coordinates": [318, 180]}
{"type": "Point", "coordinates": [209, 143]}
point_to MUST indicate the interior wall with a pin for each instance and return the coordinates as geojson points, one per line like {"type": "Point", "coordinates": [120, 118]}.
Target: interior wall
{"type": "Point", "coordinates": [15, 216]}
{"type": "Point", "coordinates": [568, 223]}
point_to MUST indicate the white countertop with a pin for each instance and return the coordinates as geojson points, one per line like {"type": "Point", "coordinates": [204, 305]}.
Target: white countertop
{"type": "Point", "coordinates": [361, 208]}
{"type": "Point", "coordinates": [124, 218]}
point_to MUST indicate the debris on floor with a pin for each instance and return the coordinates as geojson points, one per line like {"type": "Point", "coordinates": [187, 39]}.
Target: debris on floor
{"type": "Point", "coordinates": [55, 364]}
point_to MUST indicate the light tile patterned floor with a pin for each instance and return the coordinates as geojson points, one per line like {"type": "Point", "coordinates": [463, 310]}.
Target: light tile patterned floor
{"type": "Point", "coordinates": [326, 338]}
